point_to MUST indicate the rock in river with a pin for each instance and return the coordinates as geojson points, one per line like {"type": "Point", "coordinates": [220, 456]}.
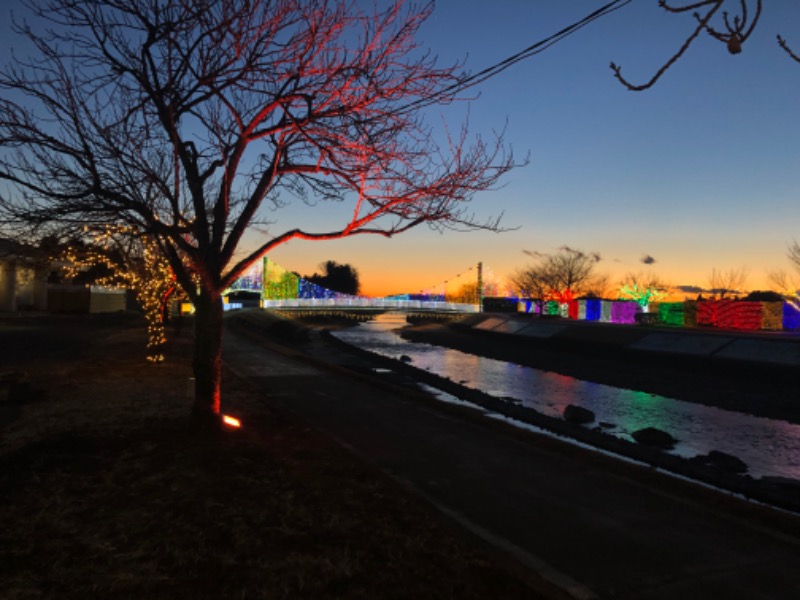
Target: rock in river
{"type": "Point", "coordinates": [578, 414]}
{"type": "Point", "coordinates": [650, 436]}
{"type": "Point", "coordinates": [722, 461]}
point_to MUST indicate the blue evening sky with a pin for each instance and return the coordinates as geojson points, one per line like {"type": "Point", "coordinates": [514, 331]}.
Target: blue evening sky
{"type": "Point", "coordinates": [700, 172]}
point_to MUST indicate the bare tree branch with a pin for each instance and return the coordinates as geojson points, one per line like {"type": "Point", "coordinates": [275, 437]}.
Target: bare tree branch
{"type": "Point", "coordinates": [732, 30]}
{"type": "Point", "coordinates": [783, 44]}
{"type": "Point", "coordinates": [191, 120]}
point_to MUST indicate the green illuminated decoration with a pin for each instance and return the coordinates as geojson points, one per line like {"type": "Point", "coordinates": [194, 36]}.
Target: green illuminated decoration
{"type": "Point", "coordinates": [279, 284]}
{"type": "Point", "coordinates": [552, 308]}
{"type": "Point", "coordinates": [641, 294]}
{"type": "Point", "coordinates": [671, 313]}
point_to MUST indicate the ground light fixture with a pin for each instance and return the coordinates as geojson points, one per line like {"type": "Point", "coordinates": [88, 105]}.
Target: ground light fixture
{"type": "Point", "coordinates": [232, 422]}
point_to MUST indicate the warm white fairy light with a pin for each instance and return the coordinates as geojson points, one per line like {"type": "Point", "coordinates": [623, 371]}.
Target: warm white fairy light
{"type": "Point", "coordinates": [136, 263]}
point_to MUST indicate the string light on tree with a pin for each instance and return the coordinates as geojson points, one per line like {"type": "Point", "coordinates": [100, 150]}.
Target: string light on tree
{"type": "Point", "coordinates": [134, 262]}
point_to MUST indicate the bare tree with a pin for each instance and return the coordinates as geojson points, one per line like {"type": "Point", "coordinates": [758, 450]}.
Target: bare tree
{"type": "Point", "coordinates": [785, 283]}
{"type": "Point", "coordinates": [732, 28]}
{"type": "Point", "coordinates": [723, 283]}
{"type": "Point", "coordinates": [568, 272]}
{"type": "Point", "coordinates": [190, 119]}
{"type": "Point", "coordinates": [530, 282]}
{"type": "Point", "coordinates": [794, 255]}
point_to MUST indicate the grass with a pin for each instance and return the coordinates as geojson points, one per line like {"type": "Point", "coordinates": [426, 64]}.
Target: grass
{"type": "Point", "coordinates": [107, 492]}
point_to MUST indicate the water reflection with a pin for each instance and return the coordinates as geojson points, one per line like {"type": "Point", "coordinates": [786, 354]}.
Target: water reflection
{"type": "Point", "coordinates": [768, 446]}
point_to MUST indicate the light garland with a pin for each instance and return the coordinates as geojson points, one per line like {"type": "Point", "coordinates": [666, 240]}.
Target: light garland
{"type": "Point", "coordinates": [135, 263]}
{"type": "Point", "coordinates": [643, 295]}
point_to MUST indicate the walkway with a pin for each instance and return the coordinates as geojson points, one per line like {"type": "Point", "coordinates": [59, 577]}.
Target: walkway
{"type": "Point", "coordinates": [592, 526]}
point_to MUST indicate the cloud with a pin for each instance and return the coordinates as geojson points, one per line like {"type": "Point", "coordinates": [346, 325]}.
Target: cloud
{"type": "Point", "coordinates": [690, 289]}
{"type": "Point", "coordinates": [533, 253]}
{"type": "Point", "coordinates": [647, 259]}
{"type": "Point", "coordinates": [595, 256]}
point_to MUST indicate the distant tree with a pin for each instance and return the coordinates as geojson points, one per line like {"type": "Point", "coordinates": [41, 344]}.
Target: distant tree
{"type": "Point", "coordinates": [764, 296]}
{"type": "Point", "coordinates": [190, 120]}
{"type": "Point", "coordinates": [563, 275]}
{"type": "Point", "coordinates": [597, 287]}
{"type": "Point", "coordinates": [643, 288]}
{"type": "Point", "coordinates": [467, 293]}
{"type": "Point", "coordinates": [337, 277]}
{"type": "Point", "coordinates": [529, 282]}
{"type": "Point", "coordinates": [726, 283]}
{"type": "Point", "coordinates": [794, 255]}
{"type": "Point", "coordinates": [783, 281]}
{"type": "Point", "coordinates": [731, 27]}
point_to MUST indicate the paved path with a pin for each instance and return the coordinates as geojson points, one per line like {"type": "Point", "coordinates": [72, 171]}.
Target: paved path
{"type": "Point", "coordinates": [592, 526]}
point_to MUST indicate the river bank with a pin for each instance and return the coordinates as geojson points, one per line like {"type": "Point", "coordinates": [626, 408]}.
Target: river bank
{"type": "Point", "coordinates": [602, 354]}
{"type": "Point", "coordinates": [605, 360]}
{"type": "Point", "coordinates": [595, 525]}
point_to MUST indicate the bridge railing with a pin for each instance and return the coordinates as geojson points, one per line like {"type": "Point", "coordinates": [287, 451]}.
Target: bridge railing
{"type": "Point", "coordinates": [370, 303]}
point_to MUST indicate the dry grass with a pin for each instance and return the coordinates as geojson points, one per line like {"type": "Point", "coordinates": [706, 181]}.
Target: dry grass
{"type": "Point", "coordinates": [106, 492]}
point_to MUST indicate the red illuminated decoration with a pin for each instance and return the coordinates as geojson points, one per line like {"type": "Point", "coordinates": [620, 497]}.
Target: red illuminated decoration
{"type": "Point", "coordinates": [730, 314]}
{"type": "Point", "coordinates": [561, 296]}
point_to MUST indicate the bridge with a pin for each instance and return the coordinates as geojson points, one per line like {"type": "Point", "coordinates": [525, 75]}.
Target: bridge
{"type": "Point", "coordinates": [281, 289]}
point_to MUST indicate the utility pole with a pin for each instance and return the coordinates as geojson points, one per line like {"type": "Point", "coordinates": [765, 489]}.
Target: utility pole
{"type": "Point", "coordinates": [480, 287]}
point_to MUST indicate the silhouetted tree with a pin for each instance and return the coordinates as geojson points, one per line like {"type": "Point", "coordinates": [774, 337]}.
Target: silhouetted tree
{"type": "Point", "coordinates": [725, 283]}
{"type": "Point", "coordinates": [566, 273]}
{"type": "Point", "coordinates": [339, 278]}
{"type": "Point", "coordinates": [764, 296]}
{"type": "Point", "coordinates": [190, 120]}
{"type": "Point", "coordinates": [788, 285]}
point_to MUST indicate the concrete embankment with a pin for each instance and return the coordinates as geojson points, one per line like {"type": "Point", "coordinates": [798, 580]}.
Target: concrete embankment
{"type": "Point", "coordinates": [752, 348]}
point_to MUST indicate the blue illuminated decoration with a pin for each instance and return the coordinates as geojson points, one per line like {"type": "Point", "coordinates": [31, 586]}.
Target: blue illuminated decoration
{"type": "Point", "coordinates": [594, 309]}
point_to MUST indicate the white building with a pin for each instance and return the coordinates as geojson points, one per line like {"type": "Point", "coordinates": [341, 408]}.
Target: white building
{"type": "Point", "coordinates": [23, 278]}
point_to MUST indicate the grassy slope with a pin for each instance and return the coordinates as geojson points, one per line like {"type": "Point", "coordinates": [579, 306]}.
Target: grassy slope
{"type": "Point", "coordinates": [106, 492]}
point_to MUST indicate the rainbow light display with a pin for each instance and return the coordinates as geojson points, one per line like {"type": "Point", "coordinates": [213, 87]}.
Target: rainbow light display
{"type": "Point", "coordinates": [250, 281]}
{"type": "Point", "coordinates": [724, 314]}
{"type": "Point", "coordinates": [281, 288]}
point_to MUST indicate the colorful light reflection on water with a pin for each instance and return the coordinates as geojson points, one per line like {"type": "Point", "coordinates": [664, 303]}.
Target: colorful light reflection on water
{"type": "Point", "coordinates": [768, 446]}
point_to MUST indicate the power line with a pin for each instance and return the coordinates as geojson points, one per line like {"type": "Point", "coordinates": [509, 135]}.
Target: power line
{"type": "Point", "coordinates": [532, 50]}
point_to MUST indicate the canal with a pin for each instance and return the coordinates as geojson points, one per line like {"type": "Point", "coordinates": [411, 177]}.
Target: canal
{"type": "Point", "coordinates": [769, 447]}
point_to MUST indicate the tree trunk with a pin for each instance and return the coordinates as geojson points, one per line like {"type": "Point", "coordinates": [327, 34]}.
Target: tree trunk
{"type": "Point", "coordinates": [208, 354]}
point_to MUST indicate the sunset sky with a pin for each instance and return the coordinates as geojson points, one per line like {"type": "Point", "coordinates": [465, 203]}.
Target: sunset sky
{"type": "Point", "coordinates": [701, 172]}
